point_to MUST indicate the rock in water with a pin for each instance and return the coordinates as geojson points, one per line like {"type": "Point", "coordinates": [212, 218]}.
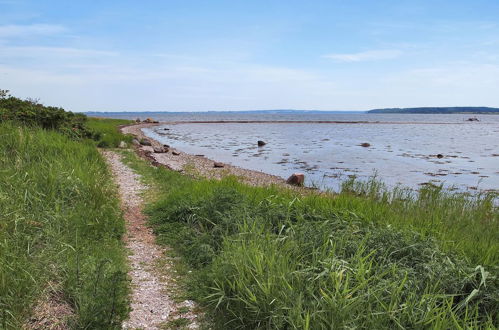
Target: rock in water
{"type": "Point", "coordinates": [440, 156]}
{"type": "Point", "coordinates": [123, 145]}
{"type": "Point", "coordinates": [261, 143]}
{"type": "Point", "coordinates": [365, 145]}
{"type": "Point", "coordinates": [145, 142]}
{"type": "Point", "coordinates": [217, 164]}
{"type": "Point", "coordinates": [296, 179]}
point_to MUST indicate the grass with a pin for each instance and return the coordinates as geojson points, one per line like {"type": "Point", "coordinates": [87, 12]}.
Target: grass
{"type": "Point", "coordinates": [106, 131]}
{"type": "Point", "coordinates": [365, 258]}
{"type": "Point", "coordinates": [60, 230]}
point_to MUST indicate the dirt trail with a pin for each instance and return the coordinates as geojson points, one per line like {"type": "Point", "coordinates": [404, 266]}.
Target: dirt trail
{"type": "Point", "coordinates": [152, 303]}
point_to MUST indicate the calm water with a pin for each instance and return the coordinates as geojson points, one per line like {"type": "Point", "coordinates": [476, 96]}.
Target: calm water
{"type": "Point", "coordinates": [403, 147]}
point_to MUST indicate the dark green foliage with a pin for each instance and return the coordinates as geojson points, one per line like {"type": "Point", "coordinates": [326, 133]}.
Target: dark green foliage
{"type": "Point", "coordinates": [60, 226]}
{"type": "Point", "coordinates": [32, 113]}
{"type": "Point", "coordinates": [270, 258]}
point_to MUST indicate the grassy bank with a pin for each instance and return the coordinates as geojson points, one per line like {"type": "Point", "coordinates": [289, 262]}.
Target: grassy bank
{"type": "Point", "coordinates": [106, 133]}
{"type": "Point", "coordinates": [60, 233]}
{"type": "Point", "coordinates": [272, 258]}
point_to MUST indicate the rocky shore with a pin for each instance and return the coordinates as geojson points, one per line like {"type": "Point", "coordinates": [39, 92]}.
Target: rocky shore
{"type": "Point", "coordinates": [195, 165]}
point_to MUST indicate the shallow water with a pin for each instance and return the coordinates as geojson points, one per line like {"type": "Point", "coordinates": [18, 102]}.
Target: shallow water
{"type": "Point", "coordinates": [403, 148]}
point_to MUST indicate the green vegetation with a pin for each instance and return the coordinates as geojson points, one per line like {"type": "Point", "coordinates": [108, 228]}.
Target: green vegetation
{"type": "Point", "coordinates": [441, 110]}
{"type": "Point", "coordinates": [74, 125]}
{"type": "Point", "coordinates": [61, 255]}
{"type": "Point", "coordinates": [365, 258]}
{"type": "Point", "coordinates": [60, 230]}
{"type": "Point", "coordinates": [32, 113]}
{"type": "Point", "coordinates": [106, 133]}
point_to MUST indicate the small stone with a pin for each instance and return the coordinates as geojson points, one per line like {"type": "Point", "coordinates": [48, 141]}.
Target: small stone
{"type": "Point", "coordinates": [175, 153]}
{"type": "Point", "coordinates": [136, 142]}
{"type": "Point", "coordinates": [365, 145]}
{"type": "Point", "coordinates": [122, 145]}
{"type": "Point", "coordinates": [137, 120]}
{"type": "Point", "coordinates": [218, 165]}
{"type": "Point", "coordinates": [296, 179]}
{"type": "Point", "coordinates": [440, 156]}
{"type": "Point", "coordinates": [261, 143]}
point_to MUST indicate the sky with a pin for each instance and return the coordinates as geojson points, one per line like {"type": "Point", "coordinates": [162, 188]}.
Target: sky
{"type": "Point", "coordinates": [246, 55]}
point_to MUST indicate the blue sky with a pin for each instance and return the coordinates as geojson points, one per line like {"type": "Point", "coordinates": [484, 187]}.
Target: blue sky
{"type": "Point", "coordinates": [239, 55]}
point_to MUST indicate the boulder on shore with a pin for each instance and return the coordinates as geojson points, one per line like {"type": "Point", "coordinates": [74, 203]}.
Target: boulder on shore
{"type": "Point", "coordinates": [136, 142]}
{"type": "Point", "coordinates": [261, 143]}
{"type": "Point", "coordinates": [145, 142]}
{"type": "Point", "coordinates": [137, 120]}
{"type": "Point", "coordinates": [150, 121]}
{"type": "Point", "coordinates": [123, 145]}
{"type": "Point", "coordinates": [218, 165]}
{"type": "Point", "coordinates": [159, 150]}
{"type": "Point", "coordinates": [175, 153]}
{"type": "Point", "coordinates": [296, 179]}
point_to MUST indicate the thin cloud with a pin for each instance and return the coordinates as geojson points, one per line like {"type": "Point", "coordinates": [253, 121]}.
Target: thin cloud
{"type": "Point", "coordinates": [66, 52]}
{"type": "Point", "coordinates": [370, 55]}
{"type": "Point", "coordinates": [11, 31]}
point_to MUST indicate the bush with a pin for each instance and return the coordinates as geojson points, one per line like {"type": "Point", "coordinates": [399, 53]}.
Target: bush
{"type": "Point", "coordinates": [32, 113]}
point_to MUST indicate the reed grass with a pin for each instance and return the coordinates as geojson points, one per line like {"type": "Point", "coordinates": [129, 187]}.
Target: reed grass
{"type": "Point", "coordinates": [271, 258]}
{"type": "Point", "coordinates": [60, 226]}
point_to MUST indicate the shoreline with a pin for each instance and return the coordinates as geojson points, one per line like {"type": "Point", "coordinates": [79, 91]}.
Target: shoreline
{"type": "Point", "coordinates": [196, 165]}
{"type": "Point", "coordinates": [199, 164]}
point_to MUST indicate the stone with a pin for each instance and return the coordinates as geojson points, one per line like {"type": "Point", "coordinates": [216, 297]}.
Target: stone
{"type": "Point", "coordinates": [296, 179]}
{"type": "Point", "coordinates": [149, 121]}
{"type": "Point", "coordinates": [137, 120]}
{"type": "Point", "coordinates": [218, 165]}
{"type": "Point", "coordinates": [473, 119]}
{"type": "Point", "coordinates": [159, 150]}
{"type": "Point", "coordinates": [440, 156]}
{"type": "Point", "coordinates": [175, 153]}
{"type": "Point", "coordinates": [261, 143]}
{"type": "Point", "coordinates": [166, 146]}
{"type": "Point", "coordinates": [136, 142]}
{"type": "Point", "coordinates": [365, 145]}
{"type": "Point", "coordinates": [145, 142]}
{"type": "Point", "coordinates": [122, 145]}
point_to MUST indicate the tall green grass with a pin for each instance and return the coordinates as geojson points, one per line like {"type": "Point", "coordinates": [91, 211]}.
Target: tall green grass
{"type": "Point", "coordinates": [276, 259]}
{"type": "Point", "coordinates": [106, 133]}
{"type": "Point", "coordinates": [60, 229]}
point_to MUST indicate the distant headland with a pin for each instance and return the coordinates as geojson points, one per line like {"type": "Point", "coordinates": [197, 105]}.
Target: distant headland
{"type": "Point", "coordinates": [440, 110]}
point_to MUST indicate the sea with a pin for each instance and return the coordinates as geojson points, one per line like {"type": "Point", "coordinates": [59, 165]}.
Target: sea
{"type": "Point", "coordinates": [404, 150]}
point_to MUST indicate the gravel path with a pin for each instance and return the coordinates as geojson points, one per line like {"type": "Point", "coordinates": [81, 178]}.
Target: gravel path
{"type": "Point", "coordinates": [152, 305]}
